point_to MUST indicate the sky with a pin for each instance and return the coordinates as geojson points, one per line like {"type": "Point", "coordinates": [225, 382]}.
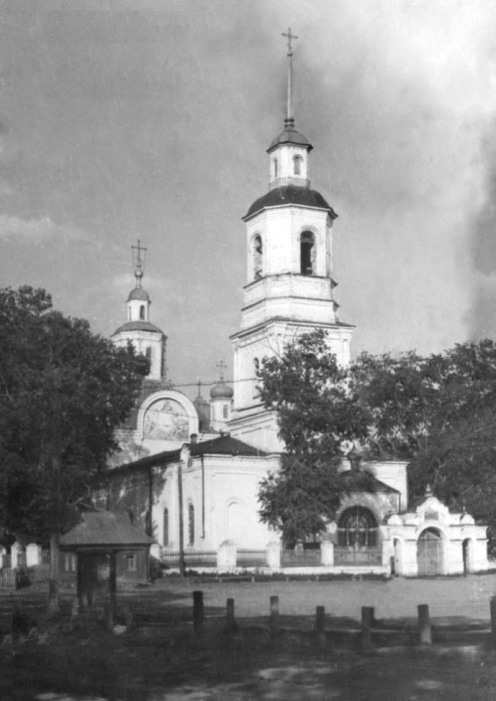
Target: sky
{"type": "Point", "coordinates": [150, 119]}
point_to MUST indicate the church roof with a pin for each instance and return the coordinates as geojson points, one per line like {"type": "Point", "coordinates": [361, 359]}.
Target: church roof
{"type": "Point", "coordinates": [289, 135]}
{"type": "Point", "coordinates": [224, 445]}
{"type": "Point", "coordinates": [288, 195]}
{"type": "Point", "coordinates": [221, 390]}
{"type": "Point", "coordinates": [104, 528]}
{"type": "Point", "coordinates": [138, 326]}
{"type": "Point", "coordinates": [140, 294]}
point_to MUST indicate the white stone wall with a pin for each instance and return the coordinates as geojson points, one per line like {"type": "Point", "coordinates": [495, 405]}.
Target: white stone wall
{"type": "Point", "coordinates": [142, 340]}
{"type": "Point", "coordinates": [392, 473]}
{"type": "Point", "coordinates": [280, 229]}
{"type": "Point", "coordinates": [285, 163]}
{"type": "Point", "coordinates": [223, 491]}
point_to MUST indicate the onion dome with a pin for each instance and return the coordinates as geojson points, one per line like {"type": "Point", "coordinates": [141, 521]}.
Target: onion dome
{"type": "Point", "coordinates": [138, 326]}
{"type": "Point", "coordinates": [138, 293]}
{"type": "Point", "coordinates": [221, 391]}
{"type": "Point", "coordinates": [289, 135]}
{"type": "Point", "coordinates": [288, 195]}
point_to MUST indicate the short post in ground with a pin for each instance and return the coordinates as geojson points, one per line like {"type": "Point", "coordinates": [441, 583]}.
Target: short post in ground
{"type": "Point", "coordinates": [493, 621]}
{"type": "Point", "coordinates": [274, 614]}
{"type": "Point", "coordinates": [367, 623]}
{"type": "Point", "coordinates": [231, 626]}
{"type": "Point", "coordinates": [320, 625]}
{"type": "Point", "coordinates": [197, 610]}
{"type": "Point", "coordinates": [424, 624]}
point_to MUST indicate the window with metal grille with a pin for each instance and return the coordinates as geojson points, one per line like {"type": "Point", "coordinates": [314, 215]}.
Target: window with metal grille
{"type": "Point", "coordinates": [357, 527]}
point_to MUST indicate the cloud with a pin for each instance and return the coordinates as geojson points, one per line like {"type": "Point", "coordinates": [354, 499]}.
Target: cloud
{"type": "Point", "coordinates": [400, 98]}
{"type": "Point", "coordinates": [29, 231]}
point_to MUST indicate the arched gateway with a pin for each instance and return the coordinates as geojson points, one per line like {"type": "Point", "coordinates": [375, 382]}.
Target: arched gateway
{"type": "Point", "coordinates": [430, 559]}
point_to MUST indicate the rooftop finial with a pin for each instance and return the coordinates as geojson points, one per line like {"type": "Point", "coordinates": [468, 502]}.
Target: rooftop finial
{"type": "Point", "coordinates": [139, 262]}
{"type": "Point", "coordinates": [221, 367]}
{"type": "Point", "coordinates": [289, 121]}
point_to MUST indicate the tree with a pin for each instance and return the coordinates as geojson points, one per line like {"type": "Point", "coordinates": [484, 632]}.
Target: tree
{"type": "Point", "coordinates": [319, 418]}
{"type": "Point", "coordinates": [438, 412]}
{"type": "Point", "coordinates": [63, 391]}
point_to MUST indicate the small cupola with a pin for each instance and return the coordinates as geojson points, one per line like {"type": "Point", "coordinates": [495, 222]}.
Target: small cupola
{"type": "Point", "coordinates": [288, 152]}
{"type": "Point", "coordinates": [221, 396]}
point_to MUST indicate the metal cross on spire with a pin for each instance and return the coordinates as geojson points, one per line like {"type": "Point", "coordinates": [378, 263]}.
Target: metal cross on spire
{"type": "Point", "coordinates": [139, 262]}
{"type": "Point", "coordinates": [289, 122]}
{"type": "Point", "coordinates": [221, 367]}
{"type": "Point", "coordinates": [290, 37]}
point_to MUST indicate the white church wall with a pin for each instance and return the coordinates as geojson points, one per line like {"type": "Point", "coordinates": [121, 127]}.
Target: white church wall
{"type": "Point", "coordinates": [223, 492]}
{"type": "Point", "coordinates": [394, 474]}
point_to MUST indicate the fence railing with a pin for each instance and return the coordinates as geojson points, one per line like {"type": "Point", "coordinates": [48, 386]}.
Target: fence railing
{"type": "Point", "coordinates": [357, 557]}
{"type": "Point", "coordinates": [192, 558]}
{"type": "Point", "coordinates": [251, 558]}
{"type": "Point", "coordinates": [301, 558]}
{"type": "Point", "coordinates": [8, 578]}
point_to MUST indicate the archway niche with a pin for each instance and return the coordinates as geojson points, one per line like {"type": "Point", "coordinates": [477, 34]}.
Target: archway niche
{"type": "Point", "coordinates": [430, 553]}
{"type": "Point", "coordinates": [307, 253]}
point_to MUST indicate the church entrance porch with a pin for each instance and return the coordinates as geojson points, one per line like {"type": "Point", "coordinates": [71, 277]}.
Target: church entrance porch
{"type": "Point", "coordinates": [430, 553]}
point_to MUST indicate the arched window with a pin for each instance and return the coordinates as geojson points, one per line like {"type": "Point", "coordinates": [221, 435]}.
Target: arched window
{"type": "Point", "coordinates": [142, 311]}
{"type": "Point", "coordinates": [357, 528]}
{"type": "Point", "coordinates": [257, 257]}
{"type": "Point", "coordinates": [225, 411]}
{"type": "Point", "coordinates": [191, 524]}
{"type": "Point", "coordinates": [307, 253]}
{"type": "Point", "coordinates": [297, 161]}
{"type": "Point", "coordinates": [276, 167]}
{"type": "Point", "coordinates": [165, 529]}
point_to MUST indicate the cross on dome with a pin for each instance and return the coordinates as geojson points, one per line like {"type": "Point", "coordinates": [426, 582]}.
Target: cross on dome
{"type": "Point", "coordinates": [139, 262]}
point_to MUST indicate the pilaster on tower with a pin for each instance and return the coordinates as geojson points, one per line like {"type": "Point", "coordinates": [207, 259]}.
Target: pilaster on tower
{"type": "Point", "coordinates": [290, 288]}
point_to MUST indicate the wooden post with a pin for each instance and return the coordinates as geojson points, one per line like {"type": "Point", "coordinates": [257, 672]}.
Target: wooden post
{"type": "Point", "coordinates": [112, 589]}
{"type": "Point", "coordinates": [79, 578]}
{"type": "Point", "coordinates": [320, 624]}
{"type": "Point", "coordinates": [424, 624]}
{"type": "Point", "coordinates": [367, 622]}
{"type": "Point", "coordinates": [230, 621]}
{"type": "Point", "coordinates": [493, 621]}
{"type": "Point", "coordinates": [197, 610]}
{"type": "Point", "coordinates": [274, 614]}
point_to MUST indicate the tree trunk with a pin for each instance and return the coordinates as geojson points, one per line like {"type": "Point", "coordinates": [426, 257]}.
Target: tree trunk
{"type": "Point", "coordinates": [53, 582]}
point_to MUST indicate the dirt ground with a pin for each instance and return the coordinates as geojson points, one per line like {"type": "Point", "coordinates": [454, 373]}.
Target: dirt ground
{"type": "Point", "coordinates": [163, 658]}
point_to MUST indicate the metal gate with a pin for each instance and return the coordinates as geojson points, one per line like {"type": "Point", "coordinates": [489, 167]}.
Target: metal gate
{"type": "Point", "coordinates": [430, 553]}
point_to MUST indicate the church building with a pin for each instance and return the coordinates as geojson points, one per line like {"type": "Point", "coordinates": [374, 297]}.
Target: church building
{"type": "Point", "coordinates": [189, 471]}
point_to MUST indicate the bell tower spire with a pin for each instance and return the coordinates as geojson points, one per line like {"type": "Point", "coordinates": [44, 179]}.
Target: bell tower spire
{"type": "Point", "coordinates": [289, 121]}
{"type": "Point", "coordinates": [289, 288]}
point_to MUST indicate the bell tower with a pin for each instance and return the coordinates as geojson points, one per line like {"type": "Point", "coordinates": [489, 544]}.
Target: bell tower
{"type": "Point", "coordinates": [290, 289]}
{"type": "Point", "coordinates": [146, 338]}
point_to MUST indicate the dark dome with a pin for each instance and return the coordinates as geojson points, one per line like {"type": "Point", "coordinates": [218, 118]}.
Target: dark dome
{"type": "Point", "coordinates": [140, 294]}
{"type": "Point", "coordinates": [221, 391]}
{"type": "Point", "coordinates": [289, 135]}
{"type": "Point", "coordinates": [138, 326]}
{"type": "Point", "coordinates": [290, 194]}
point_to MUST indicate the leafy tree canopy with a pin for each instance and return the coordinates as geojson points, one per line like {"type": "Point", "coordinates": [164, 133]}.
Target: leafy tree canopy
{"type": "Point", "coordinates": [438, 412]}
{"type": "Point", "coordinates": [63, 391]}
